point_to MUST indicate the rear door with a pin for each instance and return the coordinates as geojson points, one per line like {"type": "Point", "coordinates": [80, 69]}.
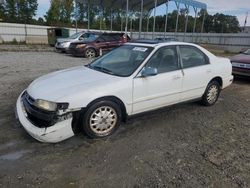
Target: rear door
{"type": "Point", "coordinates": [197, 72]}
{"type": "Point", "coordinates": [116, 40]}
{"type": "Point", "coordinates": [102, 43]}
{"type": "Point", "coordinates": [111, 41]}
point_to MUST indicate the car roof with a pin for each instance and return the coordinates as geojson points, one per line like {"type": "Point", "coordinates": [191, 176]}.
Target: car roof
{"type": "Point", "coordinates": [154, 43]}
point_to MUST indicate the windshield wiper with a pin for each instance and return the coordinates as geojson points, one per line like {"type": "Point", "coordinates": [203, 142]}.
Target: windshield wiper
{"type": "Point", "coordinates": [102, 69]}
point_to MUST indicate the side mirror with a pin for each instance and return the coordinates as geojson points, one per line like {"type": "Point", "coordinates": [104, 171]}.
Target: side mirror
{"type": "Point", "coordinates": [149, 71]}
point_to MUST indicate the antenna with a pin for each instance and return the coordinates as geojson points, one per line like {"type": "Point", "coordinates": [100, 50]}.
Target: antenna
{"type": "Point", "coordinates": [245, 22]}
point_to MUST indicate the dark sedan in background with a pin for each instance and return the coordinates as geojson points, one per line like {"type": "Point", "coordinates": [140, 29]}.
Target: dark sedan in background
{"type": "Point", "coordinates": [241, 63]}
{"type": "Point", "coordinates": [95, 42]}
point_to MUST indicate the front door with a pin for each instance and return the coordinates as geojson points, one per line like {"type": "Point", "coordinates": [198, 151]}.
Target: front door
{"type": "Point", "coordinates": [160, 90]}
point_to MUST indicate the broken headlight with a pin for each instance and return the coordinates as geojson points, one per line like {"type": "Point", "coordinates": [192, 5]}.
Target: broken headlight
{"type": "Point", "coordinates": [50, 106]}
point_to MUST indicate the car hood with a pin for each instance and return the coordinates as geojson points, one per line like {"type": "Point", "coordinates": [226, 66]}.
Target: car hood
{"type": "Point", "coordinates": [56, 85]}
{"type": "Point", "coordinates": [241, 58]}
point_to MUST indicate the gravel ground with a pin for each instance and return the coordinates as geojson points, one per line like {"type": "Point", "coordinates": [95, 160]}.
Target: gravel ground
{"type": "Point", "coordinates": [186, 145]}
{"type": "Point", "coordinates": [25, 48]}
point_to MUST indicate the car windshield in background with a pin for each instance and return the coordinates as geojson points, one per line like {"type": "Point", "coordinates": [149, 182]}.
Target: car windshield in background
{"type": "Point", "coordinates": [74, 36]}
{"type": "Point", "coordinates": [247, 52]}
{"type": "Point", "coordinates": [122, 61]}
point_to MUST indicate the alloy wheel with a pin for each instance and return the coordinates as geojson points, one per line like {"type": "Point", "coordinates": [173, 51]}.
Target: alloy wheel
{"type": "Point", "coordinates": [90, 53]}
{"type": "Point", "coordinates": [212, 94]}
{"type": "Point", "coordinates": [103, 120]}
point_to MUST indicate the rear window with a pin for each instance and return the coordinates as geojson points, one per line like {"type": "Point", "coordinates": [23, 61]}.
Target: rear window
{"type": "Point", "coordinates": [108, 38]}
{"type": "Point", "coordinates": [192, 57]}
{"type": "Point", "coordinates": [117, 37]}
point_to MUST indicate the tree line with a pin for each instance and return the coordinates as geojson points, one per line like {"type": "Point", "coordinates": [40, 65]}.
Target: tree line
{"type": "Point", "coordinates": [18, 11]}
{"type": "Point", "coordinates": [68, 13]}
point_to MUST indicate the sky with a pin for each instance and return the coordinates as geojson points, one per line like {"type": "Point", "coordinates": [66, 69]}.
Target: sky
{"type": "Point", "coordinates": [237, 8]}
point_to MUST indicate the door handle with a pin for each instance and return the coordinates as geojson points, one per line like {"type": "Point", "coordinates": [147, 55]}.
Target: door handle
{"type": "Point", "coordinates": [176, 77]}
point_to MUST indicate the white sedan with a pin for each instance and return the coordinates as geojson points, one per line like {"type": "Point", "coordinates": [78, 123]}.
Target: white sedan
{"type": "Point", "coordinates": [134, 78]}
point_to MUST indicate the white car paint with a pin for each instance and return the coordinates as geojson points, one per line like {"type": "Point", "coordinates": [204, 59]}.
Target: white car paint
{"type": "Point", "coordinates": [70, 85]}
{"type": "Point", "coordinates": [156, 91]}
{"type": "Point", "coordinates": [79, 86]}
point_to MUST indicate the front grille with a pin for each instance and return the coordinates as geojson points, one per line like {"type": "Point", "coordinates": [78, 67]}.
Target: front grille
{"type": "Point", "coordinates": [241, 65]}
{"type": "Point", "coordinates": [36, 116]}
{"type": "Point", "coordinates": [28, 98]}
{"type": "Point", "coordinates": [72, 46]}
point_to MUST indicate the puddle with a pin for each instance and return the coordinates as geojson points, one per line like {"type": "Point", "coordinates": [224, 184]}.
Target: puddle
{"type": "Point", "coordinates": [14, 155]}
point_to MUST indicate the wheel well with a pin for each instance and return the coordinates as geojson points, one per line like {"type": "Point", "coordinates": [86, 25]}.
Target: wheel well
{"type": "Point", "coordinates": [115, 100]}
{"type": "Point", "coordinates": [219, 80]}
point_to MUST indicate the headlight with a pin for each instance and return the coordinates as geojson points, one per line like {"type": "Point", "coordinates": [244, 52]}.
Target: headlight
{"type": "Point", "coordinates": [65, 44]}
{"type": "Point", "coordinates": [45, 105]}
{"type": "Point", "coordinates": [80, 45]}
{"type": "Point", "coordinates": [50, 106]}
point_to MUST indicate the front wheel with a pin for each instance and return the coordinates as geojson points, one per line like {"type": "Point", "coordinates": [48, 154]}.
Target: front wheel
{"type": "Point", "coordinates": [211, 94]}
{"type": "Point", "coordinates": [102, 119]}
{"type": "Point", "coordinates": [90, 53]}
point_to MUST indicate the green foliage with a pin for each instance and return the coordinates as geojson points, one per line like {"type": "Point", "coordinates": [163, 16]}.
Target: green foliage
{"type": "Point", "coordinates": [2, 13]}
{"type": "Point", "coordinates": [60, 12]}
{"type": "Point", "coordinates": [217, 23]}
{"type": "Point", "coordinates": [53, 15]}
{"type": "Point", "coordinates": [11, 11]}
{"type": "Point", "coordinates": [66, 11]}
{"type": "Point", "coordinates": [220, 23]}
{"type": "Point", "coordinates": [26, 10]}
{"type": "Point", "coordinates": [14, 41]}
{"type": "Point", "coordinates": [40, 21]}
{"type": "Point", "coordinates": [81, 12]}
{"type": "Point", "coordinates": [21, 11]}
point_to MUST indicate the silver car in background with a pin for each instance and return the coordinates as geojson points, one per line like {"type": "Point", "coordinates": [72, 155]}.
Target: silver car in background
{"type": "Point", "coordinates": [62, 44]}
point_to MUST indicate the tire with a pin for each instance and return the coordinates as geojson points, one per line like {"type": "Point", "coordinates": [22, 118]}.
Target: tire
{"type": "Point", "coordinates": [97, 124]}
{"type": "Point", "coordinates": [211, 94]}
{"type": "Point", "coordinates": [90, 53]}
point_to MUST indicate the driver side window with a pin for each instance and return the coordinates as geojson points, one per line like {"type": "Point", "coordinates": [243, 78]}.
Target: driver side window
{"type": "Point", "coordinates": [84, 36]}
{"type": "Point", "coordinates": [164, 60]}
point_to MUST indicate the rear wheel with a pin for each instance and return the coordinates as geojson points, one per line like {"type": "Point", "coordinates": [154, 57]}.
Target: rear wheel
{"type": "Point", "coordinates": [90, 53]}
{"type": "Point", "coordinates": [211, 94]}
{"type": "Point", "coordinates": [102, 119]}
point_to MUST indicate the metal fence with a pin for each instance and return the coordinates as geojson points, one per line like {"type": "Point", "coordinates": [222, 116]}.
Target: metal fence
{"type": "Point", "coordinates": [228, 41]}
{"type": "Point", "coordinates": [38, 35]}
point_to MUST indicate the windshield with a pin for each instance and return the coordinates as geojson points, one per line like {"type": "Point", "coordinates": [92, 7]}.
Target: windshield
{"type": "Point", "coordinates": [247, 52]}
{"type": "Point", "coordinates": [74, 36]}
{"type": "Point", "coordinates": [122, 61]}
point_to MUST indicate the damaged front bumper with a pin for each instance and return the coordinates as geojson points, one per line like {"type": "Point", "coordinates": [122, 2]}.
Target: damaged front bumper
{"type": "Point", "coordinates": [57, 132]}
